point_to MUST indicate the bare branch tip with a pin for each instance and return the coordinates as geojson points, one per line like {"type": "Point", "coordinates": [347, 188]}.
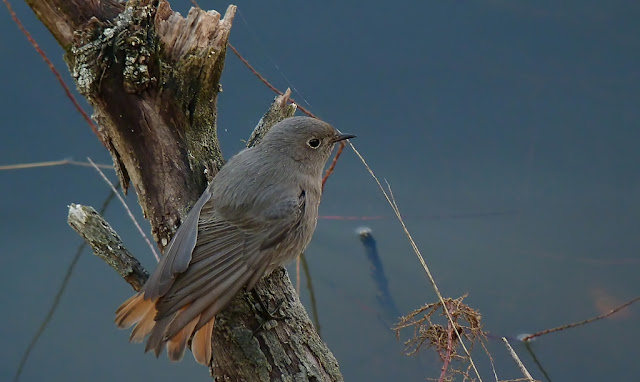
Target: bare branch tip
{"type": "Point", "coordinates": [76, 212]}
{"type": "Point", "coordinates": [284, 99]}
{"type": "Point", "coordinates": [229, 14]}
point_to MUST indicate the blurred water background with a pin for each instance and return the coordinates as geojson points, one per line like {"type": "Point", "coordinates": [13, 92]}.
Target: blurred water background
{"type": "Point", "coordinates": [508, 131]}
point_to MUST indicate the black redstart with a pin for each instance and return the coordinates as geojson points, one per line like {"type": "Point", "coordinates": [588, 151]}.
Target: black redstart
{"type": "Point", "coordinates": [258, 213]}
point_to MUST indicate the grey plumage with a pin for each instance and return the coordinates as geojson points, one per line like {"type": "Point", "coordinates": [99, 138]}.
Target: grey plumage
{"type": "Point", "coordinates": [257, 214]}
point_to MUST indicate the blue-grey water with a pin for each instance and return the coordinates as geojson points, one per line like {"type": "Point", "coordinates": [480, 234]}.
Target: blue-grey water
{"type": "Point", "coordinates": [509, 131]}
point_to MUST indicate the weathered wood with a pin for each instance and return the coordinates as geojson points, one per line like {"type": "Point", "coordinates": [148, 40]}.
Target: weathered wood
{"type": "Point", "coordinates": [152, 78]}
{"type": "Point", "coordinates": [288, 350]}
{"type": "Point", "coordinates": [64, 17]}
{"type": "Point", "coordinates": [106, 244]}
{"type": "Point", "coordinates": [279, 110]}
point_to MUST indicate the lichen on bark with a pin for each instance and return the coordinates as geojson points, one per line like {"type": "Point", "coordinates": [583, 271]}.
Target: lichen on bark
{"type": "Point", "coordinates": [152, 78]}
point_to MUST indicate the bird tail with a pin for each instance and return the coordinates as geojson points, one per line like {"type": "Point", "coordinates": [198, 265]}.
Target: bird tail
{"type": "Point", "coordinates": [142, 313]}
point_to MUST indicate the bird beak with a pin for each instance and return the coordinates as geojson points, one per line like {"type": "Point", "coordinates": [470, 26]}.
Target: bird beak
{"type": "Point", "coordinates": [342, 137]}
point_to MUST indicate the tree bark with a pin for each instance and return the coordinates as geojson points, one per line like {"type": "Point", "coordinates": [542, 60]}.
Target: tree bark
{"type": "Point", "coordinates": [151, 76]}
{"type": "Point", "coordinates": [106, 244]}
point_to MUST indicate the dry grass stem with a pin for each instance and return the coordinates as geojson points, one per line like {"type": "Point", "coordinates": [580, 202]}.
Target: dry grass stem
{"type": "Point", "coordinates": [444, 339]}
{"type": "Point", "coordinates": [517, 359]}
{"type": "Point", "coordinates": [63, 162]}
{"type": "Point", "coordinates": [133, 219]}
{"type": "Point", "coordinates": [493, 365]}
{"type": "Point", "coordinates": [396, 210]}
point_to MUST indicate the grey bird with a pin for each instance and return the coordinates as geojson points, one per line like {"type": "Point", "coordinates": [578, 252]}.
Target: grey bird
{"type": "Point", "coordinates": [258, 213]}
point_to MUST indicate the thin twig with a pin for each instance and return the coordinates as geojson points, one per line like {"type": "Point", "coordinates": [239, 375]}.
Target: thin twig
{"type": "Point", "coordinates": [264, 81]}
{"type": "Point", "coordinates": [517, 359]}
{"type": "Point", "coordinates": [289, 99]}
{"type": "Point", "coordinates": [418, 254]}
{"type": "Point", "coordinates": [493, 366]}
{"type": "Point", "coordinates": [573, 325]}
{"type": "Point", "coordinates": [57, 298]}
{"type": "Point", "coordinates": [135, 222]}
{"type": "Point", "coordinates": [394, 206]}
{"type": "Point", "coordinates": [54, 70]}
{"type": "Point", "coordinates": [333, 164]}
{"type": "Point", "coordinates": [21, 166]}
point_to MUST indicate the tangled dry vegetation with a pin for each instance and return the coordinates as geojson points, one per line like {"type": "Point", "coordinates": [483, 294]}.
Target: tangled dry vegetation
{"type": "Point", "coordinates": [433, 329]}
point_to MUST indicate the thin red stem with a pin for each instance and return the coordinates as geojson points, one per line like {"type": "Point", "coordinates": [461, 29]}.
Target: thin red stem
{"type": "Point", "coordinates": [333, 164]}
{"type": "Point", "coordinates": [264, 81]}
{"type": "Point", "coordinates": [573, 325]}
{"type": "Point", "coordinates": [53, 69]}
{"type": "Point", "coordinates": [447, 357]}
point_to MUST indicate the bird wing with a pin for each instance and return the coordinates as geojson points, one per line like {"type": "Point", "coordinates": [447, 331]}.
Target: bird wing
{"type": "Point", "coordinates": [288, 213]}
{"type": "Point", "coordinates": [228, 254]}
{"type": "Point", "coordinates": [178, 253]}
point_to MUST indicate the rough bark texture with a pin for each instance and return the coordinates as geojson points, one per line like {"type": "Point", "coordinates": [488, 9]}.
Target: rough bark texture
{"type": "Point", "coordinates": [279, 351]}
{"type": "Point", "coordinates": [152, 76]}
{"type": "Point", "coordinates": [64, 17]}
{"type": "Point", "coordinates": [289, 350]}
{"type": "Point", "coordinates": [279, 110]}
{"type": "Point", "coordinates": [106, 244]}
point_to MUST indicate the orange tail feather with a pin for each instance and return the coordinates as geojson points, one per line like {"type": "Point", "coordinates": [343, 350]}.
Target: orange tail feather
{"type": "Point", "coordinates": [144, 326]}
{"type": "Point", "coordinates": [201, 343]}
{"type": "Point", "coordinates": [133, 311]}
{"type": "Point", "coordinates": [142, 313]}
{"type": "Point", "coordinates": [177, 344]}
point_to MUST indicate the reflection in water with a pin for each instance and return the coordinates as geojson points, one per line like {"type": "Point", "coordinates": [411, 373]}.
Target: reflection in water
{"type": "Point", "coordinates": [605, 302]}
{"type": "Point", "coordinates": [527, 346]}
{"type": "Point", "coordinates": [312, 294]}
{"type": "Point", "coordinates": [383, 296]}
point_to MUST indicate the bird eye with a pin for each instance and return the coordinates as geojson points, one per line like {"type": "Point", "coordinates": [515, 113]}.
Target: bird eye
{"type": "Point", "coordinates": [314, 143]}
